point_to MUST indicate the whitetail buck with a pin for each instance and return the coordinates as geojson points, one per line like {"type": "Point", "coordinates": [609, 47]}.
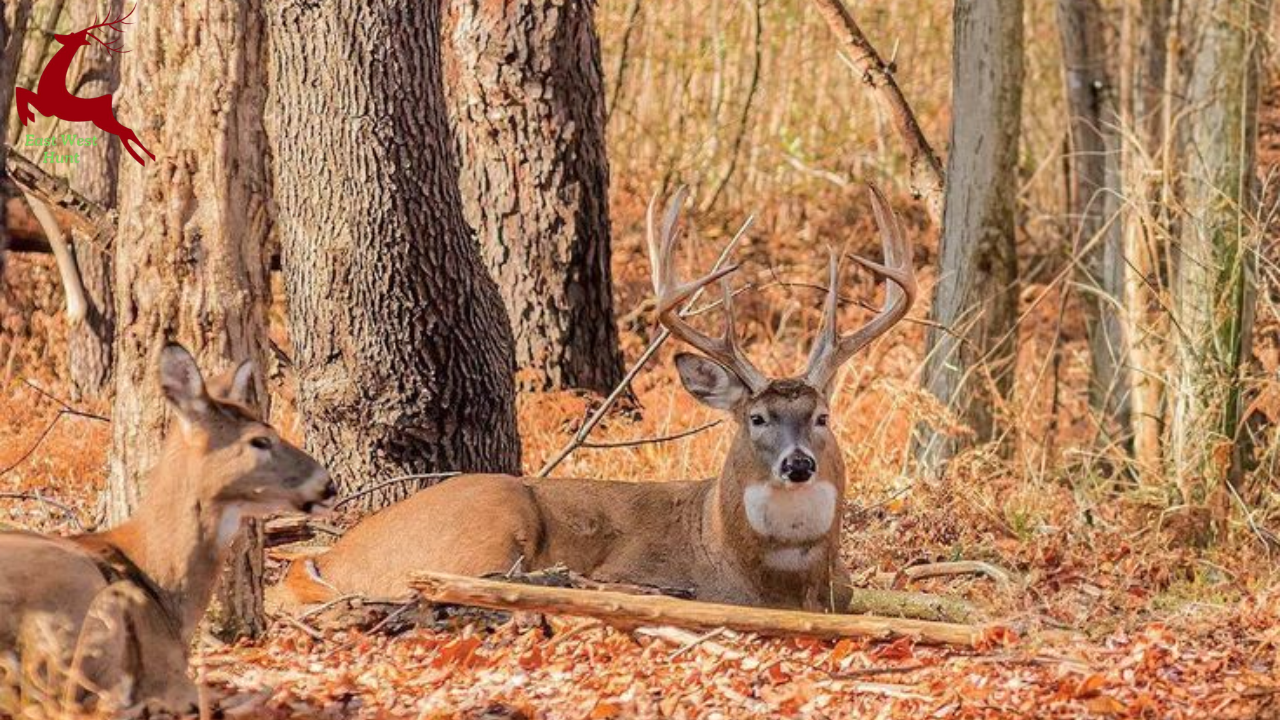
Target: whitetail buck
{"type": "Point", "coordinates": [765, 532]}
{"type": "Point", "coordinates": [108, 617]}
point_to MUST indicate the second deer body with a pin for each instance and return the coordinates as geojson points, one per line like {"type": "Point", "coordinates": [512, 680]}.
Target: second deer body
{"type": "Point", "coordinates": [765, 532]}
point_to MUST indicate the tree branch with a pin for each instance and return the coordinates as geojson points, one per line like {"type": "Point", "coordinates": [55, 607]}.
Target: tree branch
{"type": "Point", "coordinates": [57, 193]}
{"type": "Point", "coordinates": [927, 177]}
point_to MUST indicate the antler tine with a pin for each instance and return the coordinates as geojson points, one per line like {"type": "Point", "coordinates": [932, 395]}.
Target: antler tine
{"type": "Point", "coordinates": [672, 293]}
{"type": "Point", "coordinates": [832, 350]}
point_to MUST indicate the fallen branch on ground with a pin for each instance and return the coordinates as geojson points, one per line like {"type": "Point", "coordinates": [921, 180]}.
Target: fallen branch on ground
{"type": "Point", "coordinates": [38, 497]}
{"type": "Point", "coordinates": [959, 567]}
{"type": "Point", "coordinates": [634, 610]}
{"type": "Point", "coordinates": [290, 529]}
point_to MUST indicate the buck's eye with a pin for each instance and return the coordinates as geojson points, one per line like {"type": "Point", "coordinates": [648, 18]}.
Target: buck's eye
{"type": "Point", "coordinates": [822, 420]}
{"type": "Point", "coordinates": [261, 442]}
{"type": "Point", "coordinates": [757, 419]}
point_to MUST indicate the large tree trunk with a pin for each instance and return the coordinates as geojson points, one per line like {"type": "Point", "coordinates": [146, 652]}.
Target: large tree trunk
{"type": "Point", "coordinates": [402, 349]}
{"type": "Point", "coordinates": [1214, 274]}
{"type": "Point", "coordinates": [191, 260]}
{"type": "Point", "coordinates": [90, 342]}
{"type": "Point", "coordinates": [1147, 48]}
{"type": "Point", "coordinates": [971, 346]}
{"type": "Point", "coordinates": [1093, 206]}
{"type": "Point", "coordinates": [526, 100]}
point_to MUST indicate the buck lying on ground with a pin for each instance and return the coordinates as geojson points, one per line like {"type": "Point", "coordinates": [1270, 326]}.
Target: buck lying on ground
{"type": "Point", "coordinates": [108, 617]}
{"type": "Point", "coordinates": [764, 533]}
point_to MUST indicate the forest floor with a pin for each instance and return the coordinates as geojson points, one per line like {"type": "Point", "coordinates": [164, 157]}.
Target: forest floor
{"type": "Point", "coordinates": [1114, 612]}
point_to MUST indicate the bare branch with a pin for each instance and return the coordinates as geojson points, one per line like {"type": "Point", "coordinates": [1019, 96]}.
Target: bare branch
{"type": "Point", "coordinates": [56, 192]}
{"type": "Point", "coordinates": [927, 178]}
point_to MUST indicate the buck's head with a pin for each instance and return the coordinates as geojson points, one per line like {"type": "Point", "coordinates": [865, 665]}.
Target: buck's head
{"type": "Point", "coordinates": [240, 464]}
{"type": "Point", "coordinates": [784, 441]}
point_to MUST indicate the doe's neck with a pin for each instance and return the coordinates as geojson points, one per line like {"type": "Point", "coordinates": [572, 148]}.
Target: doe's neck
{"type": "Point", "coordinates": [173, 537]}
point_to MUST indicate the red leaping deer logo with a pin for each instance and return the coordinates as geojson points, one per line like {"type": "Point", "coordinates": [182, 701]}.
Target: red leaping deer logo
{"type": "Point", "coordinates": [53, 99]}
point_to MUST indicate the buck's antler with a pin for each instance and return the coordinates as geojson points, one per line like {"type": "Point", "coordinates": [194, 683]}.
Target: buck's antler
{"type": "Point", "coordinates": [114, 25]}
{"type": "Point", "coordinates": [672, 293]}
{"type": "Point", "coordinates": [831, 350]}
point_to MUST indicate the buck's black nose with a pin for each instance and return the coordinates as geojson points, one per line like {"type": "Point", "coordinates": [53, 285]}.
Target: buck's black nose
{"type": "Point", "coordinates": [798, 467]}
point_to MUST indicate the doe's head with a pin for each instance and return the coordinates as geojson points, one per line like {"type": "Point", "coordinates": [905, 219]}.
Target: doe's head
{"type": "Point", "coordinates": [242, 462]}
{"type": "Point", "coordinates": [785, 422]}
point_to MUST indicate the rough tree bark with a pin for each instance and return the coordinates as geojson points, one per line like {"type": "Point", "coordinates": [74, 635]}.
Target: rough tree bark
{"type": "Point", "coordinates": [1093, 206]}
{"type": "Point", "coordinates": [402, 350]}
{"type": "Point", "coordinates": [526, 100]}
{"type": "Point", "coordinates": [1213, 282]}
{"type": "Point", "coordinates": [191, 260]}
{"type": "Point", "coordinates": [90, 342]}
{"type": "Point", "coordinates": [971, 347]}
{"type": "Point", "coordinates": [14, 17]}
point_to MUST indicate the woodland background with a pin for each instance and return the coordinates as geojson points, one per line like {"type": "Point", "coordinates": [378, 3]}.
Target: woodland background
{"type": "Point", "coordinates": [1104, 423]}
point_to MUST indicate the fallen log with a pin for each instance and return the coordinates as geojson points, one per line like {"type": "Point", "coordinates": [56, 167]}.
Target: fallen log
{"type": "Point", "coordinates": [638, 610]}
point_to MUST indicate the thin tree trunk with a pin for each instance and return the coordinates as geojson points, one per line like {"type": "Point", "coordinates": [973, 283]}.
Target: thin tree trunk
{"type": "Point", "coordinates": [1146, 30]}
{"type": "Point", "coordinates": [191, 260]}
{"type": "Point", "coordinates": [971, 348]}
{"type": "Point", "coordinates": [14, 17]}
{"type": "Point", "coordinates": [17, 16]}
{"type": "Point", "coordinates": [89, 343]}
{"type": "Point", "coordinates": [1093, 206]}
{"type": "Point", "coordinates": [526, 100]}
{"type": "Point", "coordinates": [1214, 272]}
{"type": "Point", "coordinates": [402, 350]}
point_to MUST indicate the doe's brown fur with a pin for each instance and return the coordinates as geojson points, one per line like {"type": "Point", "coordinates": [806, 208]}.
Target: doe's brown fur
{"type": "Point", "coordinates": [106, 618]}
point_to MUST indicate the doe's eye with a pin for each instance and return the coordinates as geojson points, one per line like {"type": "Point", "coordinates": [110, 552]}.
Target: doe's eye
{"type": "Point", "coordinates": [822, 420]}
{"type": "Point", "coordinates": [261, 442]}
{"type": "Point", "coordinates": [757, 419]}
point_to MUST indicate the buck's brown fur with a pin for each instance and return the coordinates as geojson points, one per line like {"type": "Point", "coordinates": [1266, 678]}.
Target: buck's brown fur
{"type": "Point", "coordinates": [688, 535]}
{"type": "Point", "coordinates": [119, 608]}
{"type": "Point", "coordinates": [765, 532]}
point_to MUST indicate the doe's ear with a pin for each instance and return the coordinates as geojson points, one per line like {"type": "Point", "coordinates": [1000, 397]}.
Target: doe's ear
{"type": "Point", "coordinates": [181, 381]}
{"type": "Point", "coordinates": [710, 382]}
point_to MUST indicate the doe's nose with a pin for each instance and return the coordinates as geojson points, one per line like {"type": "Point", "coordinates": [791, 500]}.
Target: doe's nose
{"type": "Point", "coordinates": [798, 467]}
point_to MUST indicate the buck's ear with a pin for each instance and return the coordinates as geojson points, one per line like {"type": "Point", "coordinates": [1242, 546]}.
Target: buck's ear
{"type": "Point", "coordinates": [241, 390]}
{"type": "Point", "coordinates": [709, 381]}
{"type": "Point", "coordinates": [235, 386]}
{"type": "Point", "coordinates": [181, 381]}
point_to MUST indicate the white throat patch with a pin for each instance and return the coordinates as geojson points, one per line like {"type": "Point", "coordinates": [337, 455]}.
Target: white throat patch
{"type": "Point", "coordinates": [793, 514]}
{"type": "Point", "coordinates": [229, 525]}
